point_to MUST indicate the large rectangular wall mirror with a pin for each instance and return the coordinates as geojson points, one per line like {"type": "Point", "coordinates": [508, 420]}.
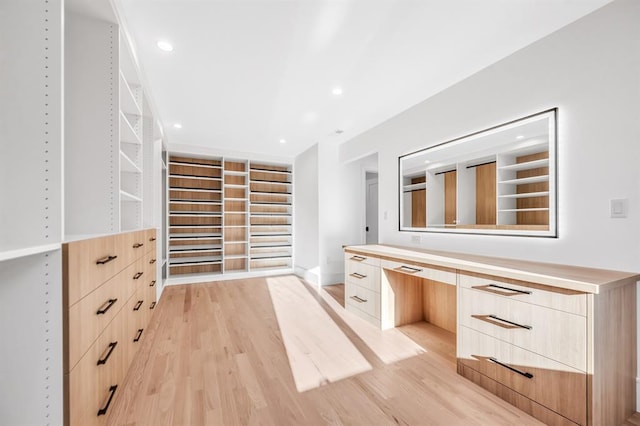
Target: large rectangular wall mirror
{"type": "Point", "coordinates": [497, 181]}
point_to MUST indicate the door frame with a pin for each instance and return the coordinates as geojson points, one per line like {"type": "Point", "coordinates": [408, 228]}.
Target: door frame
{"type": "Point", "coordinates": [363, 232]}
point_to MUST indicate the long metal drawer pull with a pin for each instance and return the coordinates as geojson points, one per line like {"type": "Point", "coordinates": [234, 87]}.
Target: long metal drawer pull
{"type": "Point", "coordinates": [359, 299]}
{"type": "Point", "coordinates": [139, 335]}
{"type": "Point", "coordinates": [106, 306]}
{"type": "Point", "coordinates": [106, 260]}
{"type": "Point", "coordinates": [137, 275]}
{"type": "Point", "coordinates": [138, 245]}
{"type": "Point", "coordinates": [486, 288]}
{"type": "Point", "coordinates": [152, 283]}
{"type": "Point", "coordinates": [152, 261]}
{"type": "Point", "coordinates": [358, 258]}
{"type": "Point", "coordinates": [497, 318]}
{"type": "Point", "coordinates": [111, 346]}
{"type": "Point", "coordinates": [358, 276]}
{"type": "Point", "coordinates": [508, 367]}
{"type": "Point", "coordinates": [112, 392]}
{"type": "Point", "coordinates": [138, 305]}
{"type": "Point", "coordinates": [153, 305]}
{"type": "Point", "coordinates": [408, 269]}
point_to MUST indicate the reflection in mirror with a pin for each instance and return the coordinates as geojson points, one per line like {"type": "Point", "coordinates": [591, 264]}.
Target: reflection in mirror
{"type": "Point", "coordinates": [498, 181]}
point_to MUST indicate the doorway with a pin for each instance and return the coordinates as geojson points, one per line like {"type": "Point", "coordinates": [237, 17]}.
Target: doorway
{"type": "Point", "coordinates": [371, 208]}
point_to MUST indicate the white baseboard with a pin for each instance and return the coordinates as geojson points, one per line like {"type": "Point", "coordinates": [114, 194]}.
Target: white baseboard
{"type": "Point", "coordinates": [330, 279]}
{"type": "Point", "coordinates": [203, 278]}
{"type": "Point", "coordinates": [309, 275]}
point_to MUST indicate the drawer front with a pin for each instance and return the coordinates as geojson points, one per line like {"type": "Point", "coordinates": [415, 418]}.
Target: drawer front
{"type": "Point", "coordinates": [136, 323]}
{"type": "Point", "coordinates": [554, 385]}
{"type": "Point", "coordinates": [363, 274]}
{"type": "Point", "coordinates": [150, 240]}
{"type": "Point", "coordinates": [430, 273]}
{"type": "Point", "coordinates": [91, 385]}
{"type": "Point", "coordinates": [89, 316]}
{"type": "Point", "coordinates": [556, 298]}
{"type": "Point", "coordinates": [555, 334]}
{"type": "Point", "coordinates": [361, 258]}
{"type": "Point", "coordinates": [370, 319]}
{"type": "Point", "coordinates": [363, 299]}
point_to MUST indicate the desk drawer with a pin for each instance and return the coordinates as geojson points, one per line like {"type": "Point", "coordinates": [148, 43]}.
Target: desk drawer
{"type": "Point", "coordinates": [361, 258]}
{"type": "Point", "coordinates": [364, 275]}
{"type": "Point", "coordinates": [431, 273]}
{"type": "Point", "coordinates": [550, 383]}
{"type": "Point", "coordinates": [555, 334]}
{"type": "Point", "coordinates": [551, 297]}
{"type": "Point", "coordinates": [362, 299]}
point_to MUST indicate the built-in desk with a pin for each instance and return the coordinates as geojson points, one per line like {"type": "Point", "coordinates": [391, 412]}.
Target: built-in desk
{"type": "Point", "coordinates": [557, 341]}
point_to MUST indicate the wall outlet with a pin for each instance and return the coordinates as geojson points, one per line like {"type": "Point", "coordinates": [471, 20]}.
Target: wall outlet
{"type": "Point", "coordinates": [619, 208]}
{"type": "Point", "coordinates": [415, 239]}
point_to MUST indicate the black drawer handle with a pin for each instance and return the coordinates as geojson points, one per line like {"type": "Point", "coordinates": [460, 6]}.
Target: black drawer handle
{"type": "Point", "coordinates": [105, 260]}
{"type": "Point", "coordinates": [358, 258]}
{"type": "Point", "coordinates": [137, 275]}
{"type": "Point", "coordinates": [139, 335]}
{"type": "Point", "coordinates": [488, 287]}
{"type": "Point", "coordinates": [137, 307]}
{"type": "Point", "coordinates": [152, 261]}
{"type": "Point", "coordinates": [497, 318]}
{"type": "Point", "coordinates": [508, 367]}
{"type": "Point", "coordinates": [408, 269]}
{"type": "Point", "coordinates": [358, 276]}
{"type": "Point", "coordinates": [152, 283]}
{"type": "Point", "coordinates": [152, 239]}
{"type": "Point", "coordinates": [138, 245]}
{"type": "Point", "coordinates": [359, 299]}
{"type": "Point", "coordinates": [112, 392]}
{"type": "Point", "coordinates": [111, 347]}
{"type": "Point", "coordinates": [153, 305]}
{"type": "Point", "coordinates": [106, 306]}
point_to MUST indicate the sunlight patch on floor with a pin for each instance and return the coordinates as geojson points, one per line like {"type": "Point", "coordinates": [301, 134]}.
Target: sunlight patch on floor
{"type": "Point", "coordinates": [389, 345]}
{"type": "Point", "coordinates": [318, 351]}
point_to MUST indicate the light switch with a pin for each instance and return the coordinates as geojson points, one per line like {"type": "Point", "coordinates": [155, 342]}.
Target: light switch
{"type": "Point", "coordinates": [619, 208]}
{"type": "Point", "coordinates": [415, 239]}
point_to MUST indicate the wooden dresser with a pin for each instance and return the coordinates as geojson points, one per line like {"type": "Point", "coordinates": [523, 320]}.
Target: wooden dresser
{"type": "Point", "coordinates": [559, 342]}
{"type": "Point", "coordinates": [108, 295]}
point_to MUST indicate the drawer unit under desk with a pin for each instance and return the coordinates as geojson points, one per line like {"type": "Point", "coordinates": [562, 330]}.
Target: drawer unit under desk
{"type": "Point", "coordinates": [363, 274]}
{"type": "Point", "coordinates": [549, 383]}
{"type": "Point", "coordinates": [361, 258]}
{"type": "Point", "coordinates": [443, 275]}
{"type": "Point", "coordinates": [362, 299]}
{"type": "Point", "coordinates": [561, 299]}
{"type": "Point", "coordinates": [551, 333]}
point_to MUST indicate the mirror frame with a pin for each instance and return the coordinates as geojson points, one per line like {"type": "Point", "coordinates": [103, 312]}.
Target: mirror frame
{"type": "Point", "coordinates": [551, 232]}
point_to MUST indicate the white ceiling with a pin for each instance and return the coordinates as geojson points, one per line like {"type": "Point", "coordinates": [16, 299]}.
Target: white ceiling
{"type": "Point", "coordinates": [246, 73]}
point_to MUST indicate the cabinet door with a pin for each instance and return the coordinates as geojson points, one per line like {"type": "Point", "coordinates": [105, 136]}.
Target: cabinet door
{"type": "Point", "coordinates": [450, 195]}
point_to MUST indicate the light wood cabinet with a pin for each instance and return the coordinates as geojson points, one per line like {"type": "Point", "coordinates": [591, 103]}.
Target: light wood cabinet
{"type": "Point", "coordinates": [104, 321]}
{"type": "Point", "coordinates": [558, 342]}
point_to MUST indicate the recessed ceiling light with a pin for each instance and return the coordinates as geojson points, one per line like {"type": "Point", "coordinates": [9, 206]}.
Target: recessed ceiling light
{"type": "Point", "coordinates": [426, 161]}
{"type": "Point", "coordinates": [283, 141]}
{"type": "Point", "coordinates": [165, 46]}
{"type": "Point", "coordinates": [339, 131]}
{"type": "Point", "coordinates": [519, 137]}
{"type": "Point", "coordinates": [337, 91]}
{"type": "Point", "coordinates": [178, 126]}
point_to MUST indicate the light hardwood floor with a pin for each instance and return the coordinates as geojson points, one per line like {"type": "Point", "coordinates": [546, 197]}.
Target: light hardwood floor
{"type": "Point", "coordinates": [215, 354]}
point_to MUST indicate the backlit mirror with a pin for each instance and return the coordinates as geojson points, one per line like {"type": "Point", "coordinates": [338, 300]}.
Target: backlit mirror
{"type": "Point", "coordinates": [500, 180]}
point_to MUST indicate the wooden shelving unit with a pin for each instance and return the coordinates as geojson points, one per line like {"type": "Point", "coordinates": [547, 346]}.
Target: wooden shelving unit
{"type": "Point", "coordinates": [235, 215]}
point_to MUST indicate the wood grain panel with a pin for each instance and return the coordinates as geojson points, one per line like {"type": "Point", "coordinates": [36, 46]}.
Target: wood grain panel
{"type": "Point", "coordinates": [486, 200]}
{"type": "Point", "coordinates": [195, 269]}
{"type": "Point", "coordinates": [176, 169]}
{"type": "Point", "coordinates": [272, 177]}
{"type": "Point", "coordinates": [178, 182]}
{"type": "Point", "coordinates": [235, 180]}
{"type": "Point", "coordinates": [235, 234]}
{"type": "Point", "coordinates": [195, 220]}
{"type": "Point", "coordinates": [236, 166]}
{"type": "Point", "coordinates": [450, 198]}
{"type": "Point", "coordinates": [176, 194]}
{"type": "Point", "coordinates": [419, 204]}
{"type": "Point", "coordinates": [235, 264]}
{"type": "Point", "coordinates": [235, 219]}
{"type": "Point", "coordinates": [439, 304]}
{"type": "Point", "coordinates": [235, 192]}
{"type": "Point", "coordinates": [270, 198]}
{"type": "Point", "coordinates": [206, 161]}
{"type": "Point", "coordinates": [538, 217]}
{"type": "Point", "coordinates": [400, 298]}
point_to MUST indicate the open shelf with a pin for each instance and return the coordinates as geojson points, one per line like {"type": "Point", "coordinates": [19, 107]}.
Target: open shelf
{"type": "Point", "coordinates": [28, 251]}
{"type": "Point", "coordinates": [527, 165]}
{"type": "Point", "coordinates": [127, 132]}
{"type": "Point", "coordinates": [525, 180]}
{"type": "Point", "coordinates": [128, 100]}
{"type": "Point", "coordinates": [526, 195]}
{"type": "Point", "coordinates": [127, 165]}
{"type": "Point", "coordinates": [127, 197]}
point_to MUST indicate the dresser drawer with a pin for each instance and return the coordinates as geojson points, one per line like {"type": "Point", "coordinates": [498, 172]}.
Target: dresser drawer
{"type": "Point", "coordinates": [555, 334]}
{"type": "Point", "coordinates": [363, 299]}
{"type": "Point", "coordinates": [98, 377]}
{"type": "Point", "coordinates": [150, 240]}
{"type": "Point", "coordinates": [447, 276]}
{"type": "Point", "coordinates": [361, 258]}
{"type": "Point", "coordinates": [550, 383]}
{"type": "Point", "coordinates": [136, 325]}
{"type": "Point", "coordinates": [552, 297]}
{"type": "Point", "coordinates": [89, 316]}
{"type": "Point", "coordinates": [364, 275]}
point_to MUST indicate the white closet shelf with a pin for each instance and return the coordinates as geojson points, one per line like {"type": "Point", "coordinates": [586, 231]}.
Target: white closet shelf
{"type": "Point", "coordinates": [273, 255]}
{"type": "Point", "coordinates": [266, 203]}
{"type": "Point", "coordinates": [415, 186]}
{"type": "Point", "coordinates": [127, 197]}
{"type": "Point", "coordinates": [233, 185]}
{"type": "Point", "coordinates": [206, 166]}
{"type": "Point", "coordinates": [521, 181]}
{"type": "Point", "coordinates": [534, 209]}
{"type": "Point", "coordinates": [235, 199]}
{"type": "Point", "coordinates": [254, 169]}
{"type": "Point", "coordinates": [196, 202]}
{"type": "Point", "coordinates": [270, 182]}
{"type": "Point", "coordinates": [127, 132]}
{"type": "Point", "coordinates": [288, 194]}
{"type": "Point", "coordinates": [270, 245]}
{"type": "Point", "coordinates": [197, 260]}
{"type": "Point", "coordinates": [195, 247]}
{"type": "Point", "coordinates": [179, 176]}
{"type": "Point", "coordinates": [128, 101]}
{"type": "Point", "coordinates": [189, 236]}
{"type": "Point", "coordinates": [235, 256]}
{"type": "Point", "coordinates": [528, 165]}
{"type": "Point", "coordinates": [283, 268]}
{"type": "Point", "coordinates": [127, 164]}
{"type": "Point", "coordinates": [525, 195]}
{"type": "Point", "coordinates": [265, 214]}
{"type": "Point", "coordinates": [235, 173]}
{"type": "Point", "coordinates": [28, 251]}
{"type": "Point", "coordinates": [176, 188]}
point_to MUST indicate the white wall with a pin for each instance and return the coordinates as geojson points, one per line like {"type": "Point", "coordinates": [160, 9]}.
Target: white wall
{"type": "Point", "coordinates": [590, 70]}
{"type": "Point", "coordinates": [306, 225]}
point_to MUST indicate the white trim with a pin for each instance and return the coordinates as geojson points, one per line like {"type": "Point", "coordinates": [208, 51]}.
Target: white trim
{"type": "Point", "coordinates": [28, 251]}
{"type": "Point", "coordinates": [309, 275]}
{"type": "Point", "coordinates": [331, 279]}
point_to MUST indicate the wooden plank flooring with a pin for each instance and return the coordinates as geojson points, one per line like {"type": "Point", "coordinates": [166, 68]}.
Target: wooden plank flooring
{"type": "Point", "coordinates": [215, 355]}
